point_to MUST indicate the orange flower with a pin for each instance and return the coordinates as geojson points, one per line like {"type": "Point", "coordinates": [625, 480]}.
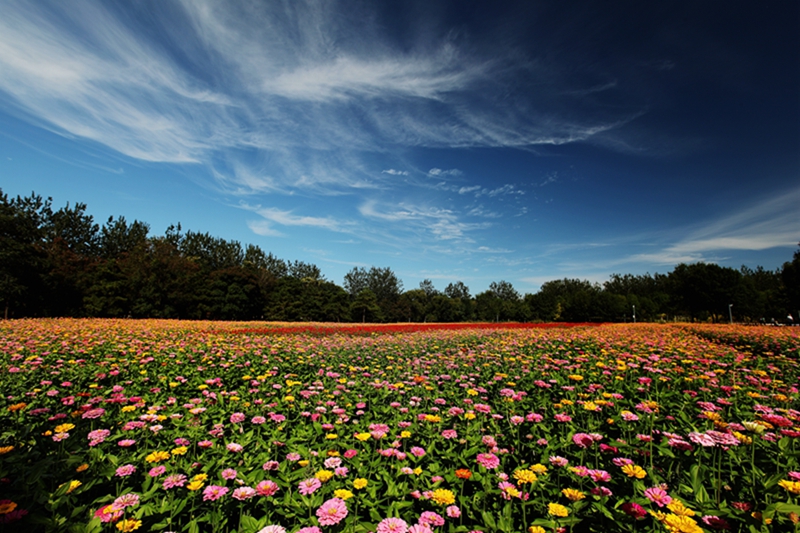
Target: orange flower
{"type": "Point", "coordinates": [463, 473]}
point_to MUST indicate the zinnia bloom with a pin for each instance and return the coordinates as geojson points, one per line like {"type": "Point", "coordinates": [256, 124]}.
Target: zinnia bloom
{"type": "Point", "coordinates": [214, 492]}
{"type": "Point", "coordinates": [129, 525]}
{"type": "Point", "coordinates": [266, 488]}
{"type": "Point", "coordinates": [392, 525]}
{"type": "Point", "coordinates": [443, 497]}
{"type": "Point", "coordinates": [488, 460]}
{"type": "Point", "coordinates": [632, 470]}
{"type": "Point", "coordinates": [308, 486]}
{"type": "Point", "coordinates": [658, 496]}
{"type": "Point", "coordinates": [332, 512]}
{"type": "Point", "coordinates": [573, 495]}
{"type": "Point", "coordinates": [556, 509]}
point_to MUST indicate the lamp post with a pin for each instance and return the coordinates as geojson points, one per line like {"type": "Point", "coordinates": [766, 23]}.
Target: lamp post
{"type": "Point", "coordinates": [730, 313]}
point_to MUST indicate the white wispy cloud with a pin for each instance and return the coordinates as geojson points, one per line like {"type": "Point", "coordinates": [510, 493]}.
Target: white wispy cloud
{"type": "Point", "coordinates": [284, 81]}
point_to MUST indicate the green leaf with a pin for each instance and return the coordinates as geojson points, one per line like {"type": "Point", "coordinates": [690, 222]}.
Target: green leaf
{"type": "Point", "coordinates": [488, 520]}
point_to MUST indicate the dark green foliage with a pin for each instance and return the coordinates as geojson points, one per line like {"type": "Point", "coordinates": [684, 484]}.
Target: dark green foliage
{"type": "Point", "coordinates": [61, 263]}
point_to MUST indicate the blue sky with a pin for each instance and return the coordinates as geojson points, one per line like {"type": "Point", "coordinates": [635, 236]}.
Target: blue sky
{"type": "Point", "coordinates": [473, 141]}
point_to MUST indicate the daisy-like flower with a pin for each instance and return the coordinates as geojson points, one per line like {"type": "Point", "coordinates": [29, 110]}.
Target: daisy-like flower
{"type": "Point", "coordinates": [658, 496]}
{"type": "Point", "coordinates": [174, 480]}
{"type": "Point", "coordinates": [392, 525]}
{"type": "Point", "coordinates": [557, 510]}
{"type": "Point", "coordinates": [308, 486]}
{"type": "Point", "coordinates": [443, 497]}
{"type": "Point", "coordinates": [272, 529]}
{"type": "Point", "coordinates": [125, 470]}
{"type": "Point", "coordinates": [359, 483]}
{"type": "Point", "coordinates": [244, 493]}
{"type": "Point", "coordinates": [214, 492]}
{"type": "Point", "coordinates": [573, 495]}
{"type": "Point", "coordinates": [488, 460]}
{"type": "Point", "coordinates": [228, 474]}
{"type": "Point", "coordinates": [128, 525]}
{"type": "Point", "coordinates": [266, 488]}
{"type": "Point", "coordinates": [157, 457]}
{"type": "Point", "coordinates": [632, 470]}
{"type": "Point", "coordinates": [332, 512]}
{"type": "Point", "coordinates": [126, 500]}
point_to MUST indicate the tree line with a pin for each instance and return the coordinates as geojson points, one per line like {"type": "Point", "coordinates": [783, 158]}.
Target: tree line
{"type": "Point", "coordinates": [60, 262]}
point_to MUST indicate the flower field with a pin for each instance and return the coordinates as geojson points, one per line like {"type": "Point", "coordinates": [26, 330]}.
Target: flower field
{"type": "Point", "coordinates": [199, 426]}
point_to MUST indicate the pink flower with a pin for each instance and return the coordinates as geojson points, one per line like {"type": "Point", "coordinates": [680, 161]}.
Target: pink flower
{"type": "Point", "coordinates": [94, 413]}
{"type": "Point", "coordinates": [107, 513]}
{"type": "Point", "coordinates": [244, 493]}
{"type": "Point", "coordinates": [332, 512]}
{"type": "Point", "coordinates": [258, 420]}
{"type": "Point", "coordinates": [229, 473]}
{"type": "Point", "coordinates": [453, 511]}
{"type": "Point", "coordinates": [658, 496]}
{"type": "Point", "coordinates": [233, 447]}
{"type": "Point", "coordinates": [125, 470]}
{"type": "Point", "coordinates": [420, 528]}
{"type": "Point", "coordinates": [157, 471]}
{"type": "Point", "coordinates": [214, 492]}
{"type": "Point", "coordinates": [582, 440]}
{"type": "Point", "coordinates": [349, 454]}
{"type": "Point", "coordinates": [416, 451]}
{"type": "Point", "coordinates": [308, 486]}
{"type": "Point", "coordinates": [272, 529]}
{"type": "Point", "coordinates": [126, 500]}
{"type": "Point", "coordinates": [392, 525]}
{"type": "Point", "coordinates": [429, 518]}
{"type": "Point", "coordinates": [312, 529]}
{"type": "Point", "coordinates": [488, 460]}
{"type": "Point", "coordinates": [126, 443]}
{"type": "Point", "coordinates": [449, 434]}
{"type": "Point", "coordinates": [174, 480]}
{"type": "Point", "coordinates": [266, 488]}
{"type": "Point", "coordinates": [237, 418]}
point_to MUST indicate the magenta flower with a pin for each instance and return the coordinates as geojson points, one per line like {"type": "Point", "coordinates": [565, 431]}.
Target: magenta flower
{"type": "Point", "coordinates": [157, 471]}
{"type": "Point", "coordinates": [312, 529]}
{"type": "Point", "coordinates": [450, 434]}
{"type": "Point", "coordinates": [420, 528]}
{"type": "Point", "coordinates": [94, 413]}
{"type": "Point", "coordinates": [126, 443]}
{"type": "Point", "coordinates": [332, 512]}
{"type": "Point", "coordinates": [308, 486]}
{"type": "Point", "coordinates": [237, 418]}
{"type": "Point", "coordinates": [658, 496]}
{"type": "Point", "coordinates": [392, 525]}
{"type": "Point", "coordinates": [453, 511]}
{"type": "Point", "coordinates": [416, 451]}
{"type": "Point", "coordinates": [233, 447]}
{"type": "Point", "coordinates": [229, 473]}
{"type": "Point", "coordinates": [488, 460]}
{"type": "Point", "coordinates": [214, 493]}
{"type": "Point", "coordinates": [634, 510]}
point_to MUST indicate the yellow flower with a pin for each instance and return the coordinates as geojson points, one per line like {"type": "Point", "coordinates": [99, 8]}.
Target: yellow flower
{"type": "Point", "coordinates": [64, 428]}
{"type": "Point", "coordinates": [681, 524]}
{"type": "Point", "coordinates": [128, 408]}
{"type": "Point", "coordinates": [323, 475]}
{"type": "Point", "coordinates": [363, 437]}
{"type": "Point", "coordinates": [524, 476]}
{"type": "Point", "coordinates": [472, 392]}
{"type": "Point", "coordinates": [5, 449]}
{"type": "Point", "coordinates": [288, 398]}
{"type": "Point", "coordinates": [591, 406]}
{"type": "Point", "coordinates": [469, 416]}
{"type": "Point", "coordinates": [556, 509]}
{"type": "Point", "coordinates": [129, 524]}
{"type": "Point", "coordinates": [344, 494]}
{"type": "Point", "coordinates": [405, 434]}
{"type": "Point", "coordinates": [195, 485]}
{"type": "Point", "coordinates": [417, 470]}
{"type": "Point", "coordinates": [433, 418]}
{"type": "Point", "coordinates": [678, 508]}
{"type": "Point", "coordinates": [573, 495]}
{"type": "Point", "coordinates": [443, 497]}
{"type": "Point", "coordinates": [791, 486]}
{"type": "Point", "coordinates": [74, 484]}
{"type": "Point", "coordinates": [180, 450]}
{"type": "Point", "coordinates": [82, 467]}
{"type": "Point", "coordinates": [331, 436]}
{"type": "Point", "coordinates": [536, 529]}
{"type": "Point", "coordinates": [157, 457]}
{"type": "Point", "coordinates": [200, 477]}
{"type": "Point", "coordinates": [359, 483]}
{"type": "Point", "coordinates": [634, 471]}
{"type": "Point", "coordinates": [304, 462]}
{"type": "Point", "coordinates": [333, 453]}
{"type": "Point", "coordinates": [538, 469]}
{"type": "Point", "coordinates": [575, 377]}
